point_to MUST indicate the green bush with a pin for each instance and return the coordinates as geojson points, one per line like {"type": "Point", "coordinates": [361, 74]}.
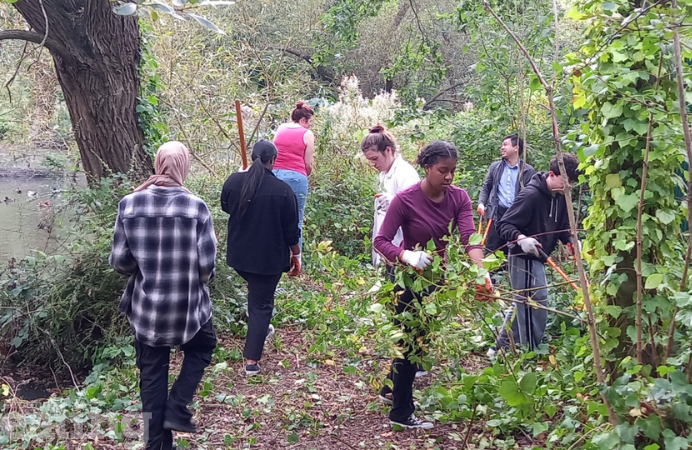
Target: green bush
{"type": "Point", "coordinates": [58, 309]}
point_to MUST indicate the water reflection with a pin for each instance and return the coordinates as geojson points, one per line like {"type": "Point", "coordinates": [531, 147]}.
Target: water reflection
{"type": "Point", "coordinates": [27, 218]}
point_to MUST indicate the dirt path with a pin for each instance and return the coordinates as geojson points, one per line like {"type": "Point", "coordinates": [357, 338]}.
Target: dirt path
{"type": "Point", "coordinates": [299, 404]}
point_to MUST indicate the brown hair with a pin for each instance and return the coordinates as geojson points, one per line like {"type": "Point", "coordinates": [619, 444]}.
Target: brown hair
{"type": "Point", "coordinates": [378, 138]}
{"type": "Point", "coordinates": [302, 111]}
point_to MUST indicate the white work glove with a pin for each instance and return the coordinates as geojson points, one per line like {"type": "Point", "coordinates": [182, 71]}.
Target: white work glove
{"type": "Point", "coordinates": [529, 245]}
{"type": "Point", "coordinates": [240, 168]}
{"type": "Point", "coordinates": [418, 259]}
{"type": "Point", "coordinates": [481, 210]}
{"type": "Point", "coordinates": [382, 203]}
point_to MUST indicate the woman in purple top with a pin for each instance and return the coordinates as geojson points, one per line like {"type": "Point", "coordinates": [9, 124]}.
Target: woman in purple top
{"type": "Point", "coordinates": [423, 212]}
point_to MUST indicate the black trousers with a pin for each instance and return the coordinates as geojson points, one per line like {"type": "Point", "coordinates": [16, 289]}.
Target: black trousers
{"type": "Point", "coordinates": [260, 306]}
{"type": "Point", "coordinates": [494, 241]}
{"type": "Point", "coordinates": [403, 372]}
{"type": "Point", "coordinates": [157, 403]}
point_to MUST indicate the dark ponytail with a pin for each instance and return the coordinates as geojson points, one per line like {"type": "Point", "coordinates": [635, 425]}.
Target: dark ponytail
{"type": "Point", "coordinates": [262, 152]}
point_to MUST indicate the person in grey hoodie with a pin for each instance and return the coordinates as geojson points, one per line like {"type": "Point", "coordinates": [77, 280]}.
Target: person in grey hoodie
{"type": "Point", "coordinates": [502, 184]}
{"type": "Point", "coordinates": [532, 225]}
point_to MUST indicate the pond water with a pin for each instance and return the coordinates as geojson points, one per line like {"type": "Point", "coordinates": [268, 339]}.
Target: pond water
{"type": "Point", "coordinates": [25, 225]}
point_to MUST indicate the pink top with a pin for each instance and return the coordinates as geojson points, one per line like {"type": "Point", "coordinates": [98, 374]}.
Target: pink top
{"type": "Point", "coordinates": [421, 220]}
{"type": "Point", "coordinates": [291, 145]}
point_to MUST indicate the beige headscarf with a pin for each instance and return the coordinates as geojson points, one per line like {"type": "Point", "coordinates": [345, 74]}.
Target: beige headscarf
{"type": "Point", "coordinates": [172, 165]}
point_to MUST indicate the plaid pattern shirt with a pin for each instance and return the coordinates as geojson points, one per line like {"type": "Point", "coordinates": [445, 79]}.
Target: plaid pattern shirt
{"type": "Point", "coordinates": [164, 241]}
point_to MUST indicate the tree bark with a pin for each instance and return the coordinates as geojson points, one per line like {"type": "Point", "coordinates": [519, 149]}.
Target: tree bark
{"type": "Point", "coordinates": [96, 55]}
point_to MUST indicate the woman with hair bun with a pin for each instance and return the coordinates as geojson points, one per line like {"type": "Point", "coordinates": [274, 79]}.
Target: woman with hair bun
{"type": "Point", "coordinates": [396, 174]}
{"type": "Point", "coordinates": [380, 148]}
{"type": "Point", "coordinates": [296, 145]}
{"type": "Point", "coordinates": [423, 212]}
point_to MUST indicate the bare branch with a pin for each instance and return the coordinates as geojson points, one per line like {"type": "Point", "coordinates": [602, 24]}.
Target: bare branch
{"type": "Point", "coordinates": [688, 148]}
{"type": "Point", "coordinates": [441, 93]}
{"type": "Point", "coordinates": [31, 36]}
{"type": "Point", "coordinates": [640, 214]}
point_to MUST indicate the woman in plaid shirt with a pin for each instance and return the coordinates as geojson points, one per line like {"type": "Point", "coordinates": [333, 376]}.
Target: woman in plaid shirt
{"type": "Point", "coordinates": [164, 242]}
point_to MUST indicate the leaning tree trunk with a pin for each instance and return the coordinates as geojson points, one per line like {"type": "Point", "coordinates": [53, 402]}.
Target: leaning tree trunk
{"type": "Point", "coordinates": [96, 54]}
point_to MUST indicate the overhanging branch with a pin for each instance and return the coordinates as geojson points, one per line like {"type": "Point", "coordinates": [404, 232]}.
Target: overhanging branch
{"type": "Point", "coordinates": [30, 36]}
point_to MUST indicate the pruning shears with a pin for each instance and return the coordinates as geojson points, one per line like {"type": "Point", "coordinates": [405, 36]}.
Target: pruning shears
{"type": "Point", "coordinates": [487, 229]}
{"type": "Point", "coordinates": [557, 269]}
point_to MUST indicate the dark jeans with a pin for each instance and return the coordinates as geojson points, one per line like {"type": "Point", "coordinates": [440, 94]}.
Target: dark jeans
{"type": "Point", "coordinates": [157, 403]}
{"type": "Point", "coordinates": [494, 241]}
{"type": "Point", "coordinates": [260, 306]}
{"type": "Point", "coordinates": [403, 371]}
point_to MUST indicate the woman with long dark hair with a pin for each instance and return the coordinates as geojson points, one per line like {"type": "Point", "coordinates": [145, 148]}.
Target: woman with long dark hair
{"type": "Point", "coordinates": [296, 145]}
{"type": "Point", "coordinates": [423, 212]}
{"type": "Point", "coordinates": [262, 241]}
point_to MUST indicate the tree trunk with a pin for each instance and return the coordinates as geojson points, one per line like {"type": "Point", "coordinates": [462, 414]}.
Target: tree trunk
{"type": "Point", "coordinates": [96, 55]}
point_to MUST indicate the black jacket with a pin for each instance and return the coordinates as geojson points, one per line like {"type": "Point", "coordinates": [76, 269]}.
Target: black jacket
{"type": "Point", "coordinates": [536, 211]}
{"type": "Point", "coordinates": [489, 195]}
{"type": "Point", "coordinates": [259, 241]}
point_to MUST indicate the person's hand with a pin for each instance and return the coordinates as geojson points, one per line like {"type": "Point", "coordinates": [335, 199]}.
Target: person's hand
{"type": "Point", "coordinates": [381, 202]}
{"type": "Point", "coordinates": [529, 245]}
{"type": "Point", "coordinates": [418, 259]}
{"type": "Point", "coordinates": [485, 290]}
{"type": "Point", "coordinates": [240, 168]}
{"type": "Point", "coordinates": [296, 261]}
{"type": "Point", "coordinates": [570, 248]}
{"type": "Point", "coordinates": [481, 210]}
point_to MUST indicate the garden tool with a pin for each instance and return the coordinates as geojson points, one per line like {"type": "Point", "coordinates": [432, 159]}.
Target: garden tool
{"type": "Point", "coordinates": [487, 229]}
{"type": "Point", "coordinates": [241, 133]}
{"type": "Point", "coordinates": [558, 270]}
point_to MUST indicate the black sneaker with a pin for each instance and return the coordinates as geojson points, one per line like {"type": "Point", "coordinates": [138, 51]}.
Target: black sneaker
{"type": "Point", "coordinates": [420, 371]}
{"type": "Point", "coordinates": [184, 427]}
{"type": "Point", "coordinates": [412, 422]}
{"type": "Point", "coordinates": [252, 369]}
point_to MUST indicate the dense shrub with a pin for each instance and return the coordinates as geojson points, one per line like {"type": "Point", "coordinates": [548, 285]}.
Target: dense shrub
{"type": "Point", "coordinates": [58, 309]}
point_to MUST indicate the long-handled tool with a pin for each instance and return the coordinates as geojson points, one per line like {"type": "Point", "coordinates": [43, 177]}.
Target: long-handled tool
{"type": "Point", "coordinates": [480, 226]}
{"type": "Point", "coordinates": [241, 134]}
{"type": "Point", "coordinates": [558, 269]}
{"type": "Point", "coordinates": [487, 230]}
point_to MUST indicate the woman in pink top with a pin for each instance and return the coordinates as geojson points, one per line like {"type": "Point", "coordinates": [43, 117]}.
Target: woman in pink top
{"type": "Point", "coordinates": [296, 145]}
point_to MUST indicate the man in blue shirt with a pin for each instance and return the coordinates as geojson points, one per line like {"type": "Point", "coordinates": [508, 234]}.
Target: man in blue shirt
{"type": "Point", "coordinates": [501, 186]}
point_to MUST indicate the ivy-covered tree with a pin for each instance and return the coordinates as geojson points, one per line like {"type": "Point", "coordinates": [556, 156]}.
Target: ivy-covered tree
{"type": "Point", "coordinates": [624, 75]}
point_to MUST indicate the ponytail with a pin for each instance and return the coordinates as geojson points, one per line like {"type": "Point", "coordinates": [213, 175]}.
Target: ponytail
{"type": "Point", "coordinates": [262, 152]}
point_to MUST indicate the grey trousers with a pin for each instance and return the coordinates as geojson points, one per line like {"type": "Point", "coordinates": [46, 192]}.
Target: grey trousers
{"type": "Point", "coordinates": [526, 324]}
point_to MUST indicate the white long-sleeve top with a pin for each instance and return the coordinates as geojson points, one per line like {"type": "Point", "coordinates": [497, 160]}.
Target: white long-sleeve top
{"type": "Point", "coordinates": [401, 175]}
